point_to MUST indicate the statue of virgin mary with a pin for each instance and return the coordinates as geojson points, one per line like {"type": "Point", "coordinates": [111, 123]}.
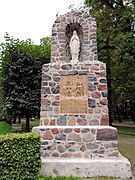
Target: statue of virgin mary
{"type": "Point", "coordinates": [74, 47]}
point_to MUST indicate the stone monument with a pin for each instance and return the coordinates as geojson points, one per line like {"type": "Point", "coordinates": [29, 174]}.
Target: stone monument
{"type": "Point", "coordinates": [76, 139]}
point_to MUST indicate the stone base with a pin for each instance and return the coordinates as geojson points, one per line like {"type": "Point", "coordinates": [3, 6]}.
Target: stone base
{"type": "Point", "coordinates": [119, 167]}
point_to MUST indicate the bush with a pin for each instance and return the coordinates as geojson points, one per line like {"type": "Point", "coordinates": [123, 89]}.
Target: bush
{"type": "Point", "coordinates": [20, 156]}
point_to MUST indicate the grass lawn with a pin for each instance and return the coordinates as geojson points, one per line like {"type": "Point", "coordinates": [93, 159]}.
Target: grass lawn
{"type": "Point", "coordinates": [125, 122]}
{"type": "Point", "coordinates": [127, 149]}
{"type": "Point", "coordinates": [126, 131]}
{"type": "Point", "coordinates": [4, 128]}
{"type": "Point", "coordinates": [33, 123]}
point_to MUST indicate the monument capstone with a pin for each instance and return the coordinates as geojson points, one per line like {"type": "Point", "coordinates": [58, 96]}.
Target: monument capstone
{"type": "Point", "coordinates": [76, 139]}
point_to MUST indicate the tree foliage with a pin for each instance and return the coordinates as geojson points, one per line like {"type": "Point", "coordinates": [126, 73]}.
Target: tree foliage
{"type": "Point", "coordinates": [21, 77]}
{"type": "Point", "coordinates": [116, 47]}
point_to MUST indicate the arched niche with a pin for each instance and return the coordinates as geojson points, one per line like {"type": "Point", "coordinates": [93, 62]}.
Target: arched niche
{"type": "Point", "coordinates": [69, 32]}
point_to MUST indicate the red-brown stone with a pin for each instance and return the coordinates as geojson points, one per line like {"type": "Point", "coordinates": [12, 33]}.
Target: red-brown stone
{"type": "Point", "coordinates": [90, 111]}
{"type": "Point", "coordinates": [57, 98]}
{"type": "Point", "coordinates": [83, 148]}
{"type": "Point", "coordinates": [77, 130]}
{"type": "Point", "coordinates": [77, 155]}
{"type": "Point", "coordinates": [107, 134]}
{"type": "Point", "coordinates": [116, 154]}
{"type": "Point", "coordinates": [55, 154]}
{"type": "Point", "coordinates": [104, 101]}
{"type": "Point", "coordinates": [101, 74]}
{"type": "Point", "coordinates": [55, 131]}
{"type": "Point", "coordinates": [47, 136]}
{"type": "Point", "coordinates": [56, 66]}
{"type": "Point", "coordinates": [82, 122]}
{"type": "Point", "coordinates": [72, 121]}
{"type": "Point", "coordinates": [105, 120]}
{"type": "Point", "coordinates": [46, 121]}
{"type": "Point", "coordinates": [102, 87]}
{"type": "Point", "coordinates": [55, 103]}
{"type": "Point", "coordinates": [45, 102]}
{"type": "Point", "coordinates": [95, 68]}
{"type": "Point", "coordinates": [66, 155]}
{"type": "Point", "coordinates": [52, 84]}
{"type": "Point", "coordinates": [52, 122]}
{"type": "Point", "coordinates": [96, 94]}
{"type": "Point", "coordinates": [46, 155]}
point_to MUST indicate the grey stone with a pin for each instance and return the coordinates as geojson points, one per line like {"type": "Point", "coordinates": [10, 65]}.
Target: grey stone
{"type": "Point", "coordinates": [94, 122]}
{"type": "Point", "coordinates": [44, 142]}
{"type": "Point", "coordinates": [54, 34]}
{"type": "Point", "coordinates": [85, 130]}
{"type": "Point", "coordinates": [84, 68]}
{"type": "Point", "coordinates": [46, 108]}
{"type": "Point", "coordinates": [51, 147]}
{"type": "Point", "coordinates": [71, 150]}
{"type": "Point", "coordinates": [56, 78]}
{"type": "Point", "coordinates": [56, 90]}
{"type": "Point", "coordinates": [83, 72]}
{"type": "Point", "coordinates": [93, 131]}
{"type": "Point", "coordinates": [91, 146]}
{"type": "Point", "coordinates": [74, 137]}
{"type": "Point", "coordinates": [62, 121]}
{"type": "Point", "coordinates": [104, 94]}
{"type": "Point", "coordinates": [91, 87]}
{"type": "Point", "coordinates": [92, 78]}
{"type": "Point", "coordinates": [68, 130]}
{"type": "Point", "coordinates": [111, 145]}
{"type": "Point", "coordinates": [91, 103]}
{"type": "Point", "coordinates": [72, 72]}
{"type": "Point", "coordinates": [45, 90]}
{"type": "Point", "coordinates": [46, 77]}
{"type": "Point", "coordinates": [66, 67]}
{"type": "Point", "coordinates": [103, 81]}
{"type": "Point", "coordinates": [61, 148]}
{"type": "Point", "coordinates": [86, 42]}
{"type": "Point", "coordinates": [61, 137]}
{"type": "Point", "coordinates": [88, 137]}
{"type": "Point", "coordinates": [95, 58]}
{"type": "Point", "coordinates": [94, 50]}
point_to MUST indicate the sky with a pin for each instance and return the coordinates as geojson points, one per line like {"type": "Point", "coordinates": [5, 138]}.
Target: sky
{"type": "Point", "coordinates": [32, 19]}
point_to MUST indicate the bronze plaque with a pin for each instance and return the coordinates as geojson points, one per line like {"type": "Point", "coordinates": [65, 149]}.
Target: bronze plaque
{"type": "Point", "coordinates": [73, 94]}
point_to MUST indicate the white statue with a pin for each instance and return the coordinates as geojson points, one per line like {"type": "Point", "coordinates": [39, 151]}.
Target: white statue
{"type": "Point", "coordinates": [74, 47]}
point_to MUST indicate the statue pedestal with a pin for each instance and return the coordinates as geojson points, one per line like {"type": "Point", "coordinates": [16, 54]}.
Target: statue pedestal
{"type": "Point", "coordinates": [81, 152]}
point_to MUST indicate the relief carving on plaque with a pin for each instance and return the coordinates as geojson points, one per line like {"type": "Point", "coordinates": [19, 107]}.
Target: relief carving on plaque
{"type": "Point", "coordinates": [74, 94]}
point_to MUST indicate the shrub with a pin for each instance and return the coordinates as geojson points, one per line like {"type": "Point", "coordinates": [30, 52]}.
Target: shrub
{"type": "Point", "coordinates": [19, 156]}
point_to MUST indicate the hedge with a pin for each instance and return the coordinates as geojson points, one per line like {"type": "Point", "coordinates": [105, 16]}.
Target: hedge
{"type": "Point", "coordinates": [20, 156]}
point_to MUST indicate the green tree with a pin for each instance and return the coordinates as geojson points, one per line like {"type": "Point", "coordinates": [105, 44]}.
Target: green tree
{"type": "Point", "coordinates": [21, 77]}
{"type": "Point", "coordinates": [116, 47]}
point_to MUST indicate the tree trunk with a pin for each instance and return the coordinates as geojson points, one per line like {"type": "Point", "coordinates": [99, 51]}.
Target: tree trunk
{"type": "Point", "coordinates": [14, 120]}
{"type": "Point", "coordinates": [19, 119]}
{"type": "Point", "coordinates": [27, 123]}
{"type": "Point", "coordinates": [133, 118]}
{"type": "Point", "coordinates": [119, 115]}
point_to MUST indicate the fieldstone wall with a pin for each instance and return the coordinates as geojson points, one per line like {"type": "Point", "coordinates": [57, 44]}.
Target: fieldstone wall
{"type": "Point", "coordinates": [62, 30]}
{"type": "Point", "coordinates": [97, 94]}
{"type": "Point", "coordinates": [78, 142]}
